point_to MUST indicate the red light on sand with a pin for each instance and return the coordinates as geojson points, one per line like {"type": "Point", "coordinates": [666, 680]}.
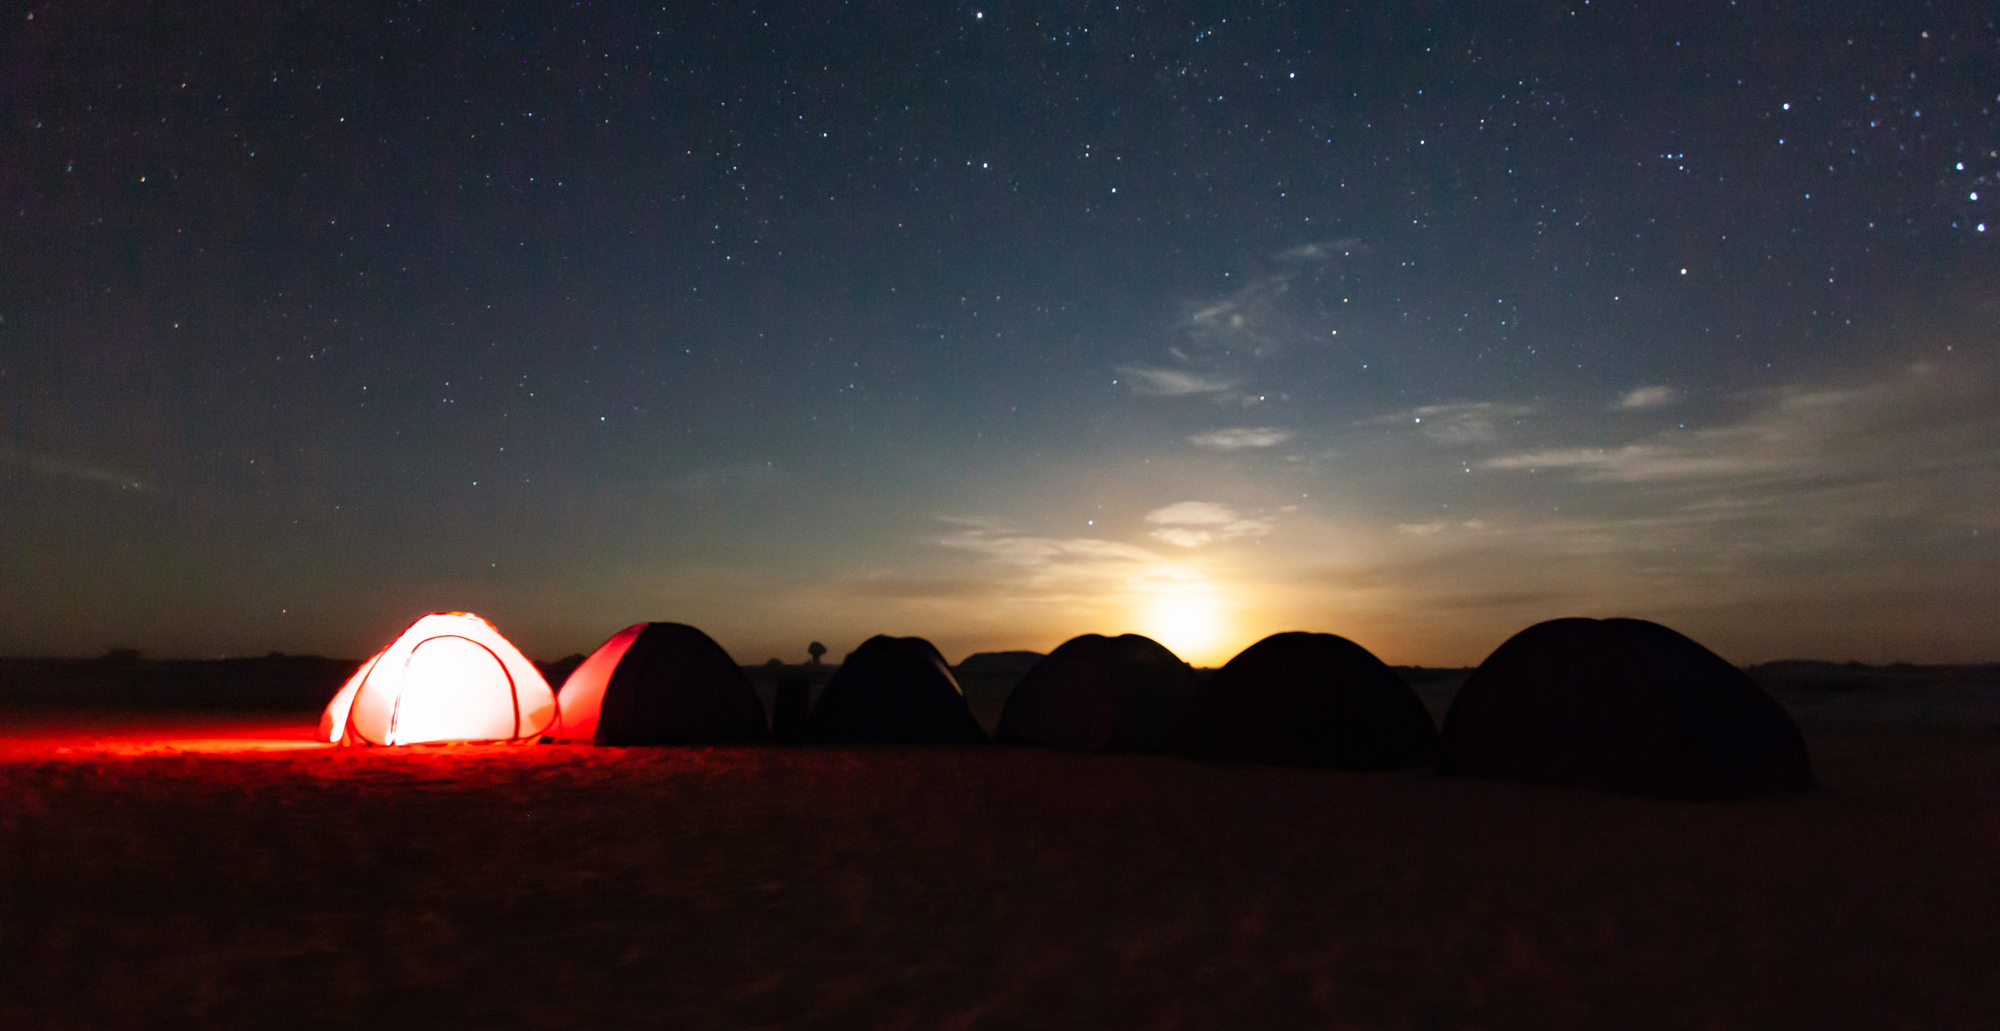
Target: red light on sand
{"type": "Point", "coordinates": [333, 722]}
{"type": "Point", "coordinates": [450, 677]}
{"type": "Point", "coordinates": [69, 736]}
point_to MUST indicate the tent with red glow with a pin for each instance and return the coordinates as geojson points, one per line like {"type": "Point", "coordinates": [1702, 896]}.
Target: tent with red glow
{"type": "Point", "coordinates": [659, 684]}
{"type": "Point", "coordinates": [450, 677]}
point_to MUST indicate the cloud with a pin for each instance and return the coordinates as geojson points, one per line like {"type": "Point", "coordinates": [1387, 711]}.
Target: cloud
{"type": "Point", "coordinates": [894, 586]}
{"type": "Point", "coordinates": [1193, 513]}
{"type": "Point", "coordinates": [1184, 536]}
{"type": "Point", "coordinates": [1898, 469]}
{"type": "Point", "coordinates": [1056, 570]}
{"type": "Point", "coordinates": [1695, 459]}
{"type": "Point", "coordinates": [1160, 382]}
{"type": "Point", "coordinates": [739, 478]}
{"type": "Point", "coordinates": [1806, 514]}
{"type": "Point", "coordinates": [1648, 397]}
{"type": "Point", "coordinates": [1238, 438]}
{"type": "Point", "coordinates": [1250, 323]}
{"type": "Point", "coordinates": [1799, 433]}
{"type": "Point", "coordinates": [1191, 524]}
{"type": "Point", "coordinates": [1437, 526]}
{"type": "Point", "coordinates": [1243, 324]}
{"type": "Point", "coordinates": [52, 465]}
{"type": "Point", "coordinates": [1325, 250]}
{"type": "Point", "coordinates": [1476, 422]}
{"type": "Point", "coordinates": [1000, 543]}
{"type": "Point", "coordinates": [1493, 599]}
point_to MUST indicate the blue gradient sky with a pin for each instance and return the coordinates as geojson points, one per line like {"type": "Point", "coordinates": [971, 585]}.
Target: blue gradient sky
{"type": "Point", "coordinates": [1412, 323]}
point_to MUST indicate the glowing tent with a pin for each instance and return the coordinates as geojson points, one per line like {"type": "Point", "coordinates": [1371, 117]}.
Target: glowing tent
{"type": "Point", "coordinates": [1312, 700]}
{"type": "Point", "coordinates": [659, 684]}
{"type": "Point", "coordinates": [449, 677]}
{"type": "Point", "coordinates": [1621, 705]}
{"type": "Point", "coordinates": [893, 690]}
{"type": "Point", "coordinates": [1102, 694]}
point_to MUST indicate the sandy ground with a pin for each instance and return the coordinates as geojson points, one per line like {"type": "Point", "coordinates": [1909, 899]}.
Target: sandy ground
{"type": "Point", "coordinates": [225, 872]}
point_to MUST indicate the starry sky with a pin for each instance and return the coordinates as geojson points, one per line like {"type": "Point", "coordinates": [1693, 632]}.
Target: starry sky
{"type": "Point", "coordinates": [999, 323]}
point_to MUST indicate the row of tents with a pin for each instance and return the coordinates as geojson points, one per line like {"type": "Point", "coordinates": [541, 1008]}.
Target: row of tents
{"type": "Point", "coordinates": [1617, 704]}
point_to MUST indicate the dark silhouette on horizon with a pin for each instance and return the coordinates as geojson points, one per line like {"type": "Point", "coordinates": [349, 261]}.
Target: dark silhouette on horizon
{"type": "Point", "coordinates": [1622, 705]}
{"type": "Point", "coordinates": [1312, 700]}
{"type": "Point", "coordinates": [893, 690]}
{"type": "Point", "coordinates": [1102, 694]}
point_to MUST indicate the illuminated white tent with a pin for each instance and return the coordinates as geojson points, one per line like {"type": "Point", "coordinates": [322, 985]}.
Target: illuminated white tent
{"type": "Point", "coordinates": [449, 677]}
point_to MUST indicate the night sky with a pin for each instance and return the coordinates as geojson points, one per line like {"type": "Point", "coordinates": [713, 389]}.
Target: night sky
{"type": "Point", "coordinates": [1414, 323]}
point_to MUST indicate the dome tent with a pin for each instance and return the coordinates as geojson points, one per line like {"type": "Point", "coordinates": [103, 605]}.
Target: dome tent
{"type": "Point", "coordinates": [893, 690]}
{"type": "Point", "coordinates": [659, 684]}
{"type": "Point", "coordinates": [1312, 700]}
{"type": "Point", "coordinates": [449, 677]}
{"type": "Point", "coordinates": [1102, 694]}
{"type": "Point", "coordinates": [1621, 705]}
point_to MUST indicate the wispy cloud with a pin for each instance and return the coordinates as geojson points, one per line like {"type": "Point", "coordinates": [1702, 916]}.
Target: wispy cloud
{"type": "Point", "coordinates": [1159, 382]}
{"type": "Point", "coordinates": [1475, 422]}
{"type": "Point", "coordinates": [1799, 518]}
{"type": "Point", "coordinates": [1797, 433]}
{"type": "Point", "coordinates": [55, 465]}
{"type": "Point", "coordinates": [1193, 513]}
{"type": "Point", "coordinates": [1191, 524]}
{"type": "Point", "coordinates": [1001, 543]}
{"type": "Point", "coordinates": [1702, 455]}
{"type": "Point", "coordinates": [738, 478]}
{"type": "Point", "coordinates": [1218, 334]}
{"type": "Point", "coordinates": [1325, 250]}
{"type": "Point", "coordinates": [1246, 321]}
{"type": "Point", "coordinates": [1241, 437]}
{"type": "Point", "coordinates": [1038, 569]}
{"type": "Point", "coordinates": [1914, 459]}
{"type": "Point", "coordinates": [1648, 397]}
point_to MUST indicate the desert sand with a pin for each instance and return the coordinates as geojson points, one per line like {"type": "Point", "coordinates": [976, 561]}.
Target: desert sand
{"type": "Point", "coordinates": [163, 869]}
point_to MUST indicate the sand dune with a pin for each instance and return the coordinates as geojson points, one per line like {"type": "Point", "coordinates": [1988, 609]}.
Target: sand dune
{"type": "Point", "coordinates": [210, 871]}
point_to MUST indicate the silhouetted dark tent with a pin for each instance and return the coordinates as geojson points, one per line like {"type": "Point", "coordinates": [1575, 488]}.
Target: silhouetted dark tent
{"type": "Point", "coordinates": [1312, 700]}
{"type": "Point", "coordinates": [659, 684]}
{"type": "Point", "coordinates": [1102, 694]}
{"type": "Point", "coordinates": [893, 690]}
{"type": "Point", "coordinates": [1621, 705]}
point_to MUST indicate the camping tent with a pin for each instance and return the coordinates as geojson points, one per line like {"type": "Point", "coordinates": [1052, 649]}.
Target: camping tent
{"type": "Point", "coordinates": [1312, 700]}
{"type": "Point", "coordinates": [1621, 705]}
{"type": "Point", "coordinates": [659, 684]}
{"type": "Point", "coordinates": [449, 677]}
{"type": "Point", "coordinates": [1102, 694]}
{"type": "Point", "coordinates": [893, 690]}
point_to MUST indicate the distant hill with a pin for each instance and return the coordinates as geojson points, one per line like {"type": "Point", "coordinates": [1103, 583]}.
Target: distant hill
{"type": "Point", "coordinates": [995, 663]}
{"type": "Point", "coordinates": [122, 679]}
{"type": "Point", "coordinates": [1820, 675]}
{"type": "Point", "coordinates": [558, 671]}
